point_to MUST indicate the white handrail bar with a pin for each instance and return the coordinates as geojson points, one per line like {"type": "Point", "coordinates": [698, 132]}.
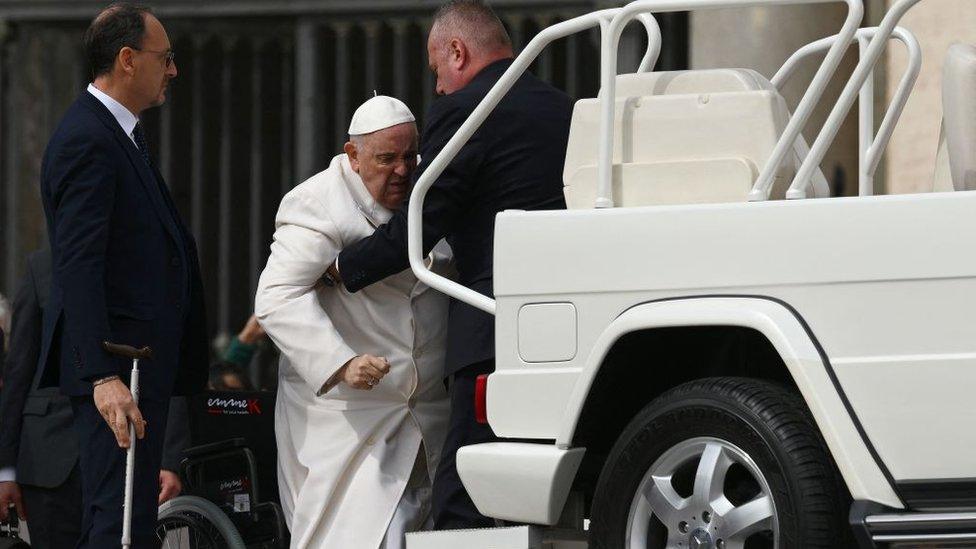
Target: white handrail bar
{"type": "Point", "coordinates": [654, 42]}
{"type": "Point", "coordinates": [871, 146]}
{"type": "Point", "coordinates": [804, 110]}
{"type": "Point", "coordinates": [521, 63]}
{"type": "Point", "coordinates": [864, 69]}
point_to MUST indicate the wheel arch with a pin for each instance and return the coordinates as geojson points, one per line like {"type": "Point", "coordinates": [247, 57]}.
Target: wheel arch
{"type": "Point", "coordinates": [807, 367]}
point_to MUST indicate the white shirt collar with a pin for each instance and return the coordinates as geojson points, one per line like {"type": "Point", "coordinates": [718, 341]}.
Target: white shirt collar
{"type": "Point", "coordinates": [125, 118]}
{"type": "Point", "coordinates": [374, 212]}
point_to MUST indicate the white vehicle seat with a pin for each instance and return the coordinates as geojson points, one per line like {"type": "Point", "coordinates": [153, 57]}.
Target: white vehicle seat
{"type": "Point", "coordinates": [956, 163]}
{"type": "Point", "coordinates": [681, 137]}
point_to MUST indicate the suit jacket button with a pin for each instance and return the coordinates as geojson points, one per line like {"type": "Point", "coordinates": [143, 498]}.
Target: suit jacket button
{"type": "Point", "coordinates": [175, 262]}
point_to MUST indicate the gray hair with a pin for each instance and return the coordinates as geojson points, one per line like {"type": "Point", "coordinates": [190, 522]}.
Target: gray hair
{"type": "Point", "coordinates": [474, 22]}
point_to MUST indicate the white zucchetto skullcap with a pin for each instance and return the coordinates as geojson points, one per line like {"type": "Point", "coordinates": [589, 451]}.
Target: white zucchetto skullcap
{"type": "Point", "coordinates": [379, 113]}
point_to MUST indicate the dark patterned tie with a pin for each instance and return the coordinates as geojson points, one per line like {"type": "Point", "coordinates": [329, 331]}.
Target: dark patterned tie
{"type": "Point", "coordinates": [140, 137]}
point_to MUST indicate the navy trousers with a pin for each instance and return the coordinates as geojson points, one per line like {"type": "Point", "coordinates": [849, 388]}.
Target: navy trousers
{"type": "Point", "coordinates": [55, 513]}
{"type": "Point", "coordinates": [451, 506]}
{"type": "Point", "coordinates": [102, 465]}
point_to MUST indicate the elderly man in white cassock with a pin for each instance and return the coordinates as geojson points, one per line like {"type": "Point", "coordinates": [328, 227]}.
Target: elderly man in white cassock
{"type": "Point", "coordinates": [362, 411]}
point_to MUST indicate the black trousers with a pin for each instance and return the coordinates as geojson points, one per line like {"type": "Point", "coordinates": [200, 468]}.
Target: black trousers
{"type": "Point", "coordinates": [102, 465]}
{"type": "Point", "coordinates": [54, 513]}
{"type": "Point", "coordinates": [451, 506]}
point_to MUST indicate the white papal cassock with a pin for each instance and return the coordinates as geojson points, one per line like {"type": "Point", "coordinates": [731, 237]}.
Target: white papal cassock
{"type": "Point", "coordinates": [346, 457]}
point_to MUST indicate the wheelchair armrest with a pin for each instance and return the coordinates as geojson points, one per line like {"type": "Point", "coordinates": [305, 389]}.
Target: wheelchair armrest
{"type": "Point", "coordinates": [215, 447]}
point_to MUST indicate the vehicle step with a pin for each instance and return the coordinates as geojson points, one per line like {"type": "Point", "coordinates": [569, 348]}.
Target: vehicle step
{"type": "Point", "coordinates": [897, 529]}
{"type": "Point", "coordinates": [513, 537]}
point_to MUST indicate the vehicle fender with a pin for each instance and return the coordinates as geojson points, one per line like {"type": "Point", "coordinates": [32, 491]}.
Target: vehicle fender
{"type": "Point", "coordinates": [808, 364]}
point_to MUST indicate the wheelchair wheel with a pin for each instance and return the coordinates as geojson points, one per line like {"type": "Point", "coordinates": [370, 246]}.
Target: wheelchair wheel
{"type": "Point", "coordinates": [191, 521]}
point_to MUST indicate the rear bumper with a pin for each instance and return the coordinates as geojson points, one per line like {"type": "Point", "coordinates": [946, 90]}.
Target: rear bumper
{"type": "Point", "coordinates": [516, 481]}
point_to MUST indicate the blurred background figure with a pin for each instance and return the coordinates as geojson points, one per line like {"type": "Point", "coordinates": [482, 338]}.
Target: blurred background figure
{"type": "Point", "coordinates": [38, 447]}
{"type": "Point", "coordinates": [242, 347]}
{"type": "Point", "coordinates": [227, 376]}
{"type": "Point", "coordinates": [239, 365]}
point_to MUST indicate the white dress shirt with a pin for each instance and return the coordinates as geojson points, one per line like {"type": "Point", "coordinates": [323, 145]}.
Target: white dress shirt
{"type": "Point", "coordinates": [124, 116]}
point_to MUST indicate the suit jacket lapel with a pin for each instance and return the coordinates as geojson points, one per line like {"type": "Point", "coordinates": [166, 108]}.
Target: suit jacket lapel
{"type": "Point", "coordinates": [145, 172]}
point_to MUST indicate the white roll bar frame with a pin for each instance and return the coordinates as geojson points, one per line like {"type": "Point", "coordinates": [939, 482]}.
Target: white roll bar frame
{"type": "Point", "coordinates": [863, 70]}
{"type": "Point", "coordinates": [764, 183]}
{"type": "Point", "coordinates": [476, 118]}
{"type": "Point", "coordinates": [871, 147]}
{"type": "Point", "coordinates": [611, 34]}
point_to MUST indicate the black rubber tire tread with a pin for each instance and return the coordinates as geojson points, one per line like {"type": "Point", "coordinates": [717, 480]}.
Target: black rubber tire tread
{"type": "Point", "coordinates": [210, 511]}
{"type": "Point", "coordinates": [772, 425]}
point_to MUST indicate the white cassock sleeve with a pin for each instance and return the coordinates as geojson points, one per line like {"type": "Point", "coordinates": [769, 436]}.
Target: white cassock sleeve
{"type": "Point", "coordinates": [306, 241]}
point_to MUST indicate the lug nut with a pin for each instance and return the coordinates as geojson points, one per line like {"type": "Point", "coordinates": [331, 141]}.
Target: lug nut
{"type": "Point", "coordinates": [707, 517]}
{"type": "Point", "coordinates": [683, 527]}
{"type": "Point", "coordinates": [720, 544]}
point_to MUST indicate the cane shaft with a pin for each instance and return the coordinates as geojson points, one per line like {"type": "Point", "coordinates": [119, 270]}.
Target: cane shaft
{"type": "Point", "coordinates": [130, 462]}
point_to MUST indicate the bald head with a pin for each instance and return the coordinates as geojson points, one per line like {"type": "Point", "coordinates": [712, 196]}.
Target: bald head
{"type": "Point", "coordinates": [465, 37]}
{"type": "Point", "coordinates": [475, 23]}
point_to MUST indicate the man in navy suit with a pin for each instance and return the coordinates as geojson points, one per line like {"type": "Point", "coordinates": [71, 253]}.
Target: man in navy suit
{"type": "Point", "coordinates": [514, 161]}
{"type": "Point", "coordinates": [125, 270]}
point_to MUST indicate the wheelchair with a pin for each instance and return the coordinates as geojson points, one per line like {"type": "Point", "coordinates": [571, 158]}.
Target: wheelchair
{"type": "Point", "coordinates": [229, 498]}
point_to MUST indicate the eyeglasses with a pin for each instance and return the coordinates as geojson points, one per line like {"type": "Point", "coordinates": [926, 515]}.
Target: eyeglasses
{"type": "Point", "coordinates": [168, 55]}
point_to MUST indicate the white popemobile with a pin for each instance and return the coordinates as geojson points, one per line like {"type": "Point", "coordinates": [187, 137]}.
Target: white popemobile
{"type": "Point", "coordinates": [718, 354]}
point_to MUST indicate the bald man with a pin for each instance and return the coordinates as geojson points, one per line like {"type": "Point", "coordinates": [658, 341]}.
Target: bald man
{"type": "Point", "coordinates": [514, 161]}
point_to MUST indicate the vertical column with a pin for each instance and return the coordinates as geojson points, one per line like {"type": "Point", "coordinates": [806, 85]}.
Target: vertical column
{"type": "Point", "coordinates": [307, 131]}
{"type": "Point", "coordinates": [287, 117]}
{"type": "Point", "coordinates": [427, 81]}
{"type": "Point", "coordinates": [225, 199]}
{"type": "Point", "coordinates": [197, 153]}
{"type": "Point", "coordinates": [341, 117]}
{"type": "Point", "coordinates": [545, 61]}
{"type": "Point", "coordinates": [765, 37]}
{"type": "Point", "coordinates": [257, 165]}
{"type": "Point", "coordinates": [8, 130]}
{"type": "Point", "coordinates": [515, 31]}
{"type": "Point", "coordinates": [255, 239]}
{"type": "Point", "coordinates": [401, 46]}
{"type": "Point", "coordinates": [371, 29]}
{"type": "Point", "coordinates": [572, 65]}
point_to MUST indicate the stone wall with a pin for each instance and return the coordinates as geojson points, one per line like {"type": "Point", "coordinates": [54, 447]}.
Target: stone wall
{"type": "Point", "coordinates": [910, 163]}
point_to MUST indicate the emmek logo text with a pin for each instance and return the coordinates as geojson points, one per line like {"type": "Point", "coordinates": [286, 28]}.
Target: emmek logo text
{"type": "Point", "coordinates": [234, 406]}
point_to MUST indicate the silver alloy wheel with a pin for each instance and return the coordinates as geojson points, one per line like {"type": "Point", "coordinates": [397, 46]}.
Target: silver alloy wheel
{"type": "Point", "coordinates": [706, 519]}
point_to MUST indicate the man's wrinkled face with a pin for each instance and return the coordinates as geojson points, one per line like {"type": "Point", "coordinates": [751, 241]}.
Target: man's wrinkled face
{"type": "Point", "coordinates": [153, 71]}
{"type": "Point", "coordinates": [385, 160]}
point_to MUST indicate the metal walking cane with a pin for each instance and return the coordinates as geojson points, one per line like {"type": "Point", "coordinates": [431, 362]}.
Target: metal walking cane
{"type": "Point", "coordinates": [130, 457]}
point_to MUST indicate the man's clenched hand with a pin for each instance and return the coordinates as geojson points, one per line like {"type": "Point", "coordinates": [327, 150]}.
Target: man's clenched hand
{"type": "Point", "coordinates": [114, 402]}
{"type": "Point", "coordinates": [365, 371]}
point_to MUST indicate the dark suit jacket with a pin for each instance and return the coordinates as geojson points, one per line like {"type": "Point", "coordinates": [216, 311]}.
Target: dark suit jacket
{"type": "Point", "coordinates": [514, 161]}
{"type": "Point", "coordinates": [36, 434]}
{"type": "Point", "coordinates": [125, 267]}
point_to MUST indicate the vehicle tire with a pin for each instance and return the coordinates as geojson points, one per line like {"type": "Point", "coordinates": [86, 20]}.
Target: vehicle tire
{"type": "Point", "coordinates": [191, 521]}
{"type": "Point", "coordinates": [720, 463]}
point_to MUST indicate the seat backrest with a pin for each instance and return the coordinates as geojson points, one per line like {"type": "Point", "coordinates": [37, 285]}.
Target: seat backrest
{"type": "Point", "coordinates": [958, 147]}
{"type": "Point", "coordinates": [680, 137]}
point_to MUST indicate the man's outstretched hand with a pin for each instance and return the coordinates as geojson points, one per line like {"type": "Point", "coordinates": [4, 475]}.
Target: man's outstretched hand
{"type": "Point", "coordinates": [114, 401]}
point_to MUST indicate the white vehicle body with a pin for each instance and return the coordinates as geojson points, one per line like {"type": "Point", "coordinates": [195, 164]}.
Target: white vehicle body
{"type": "Point", "coordinates": [864, 304]}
